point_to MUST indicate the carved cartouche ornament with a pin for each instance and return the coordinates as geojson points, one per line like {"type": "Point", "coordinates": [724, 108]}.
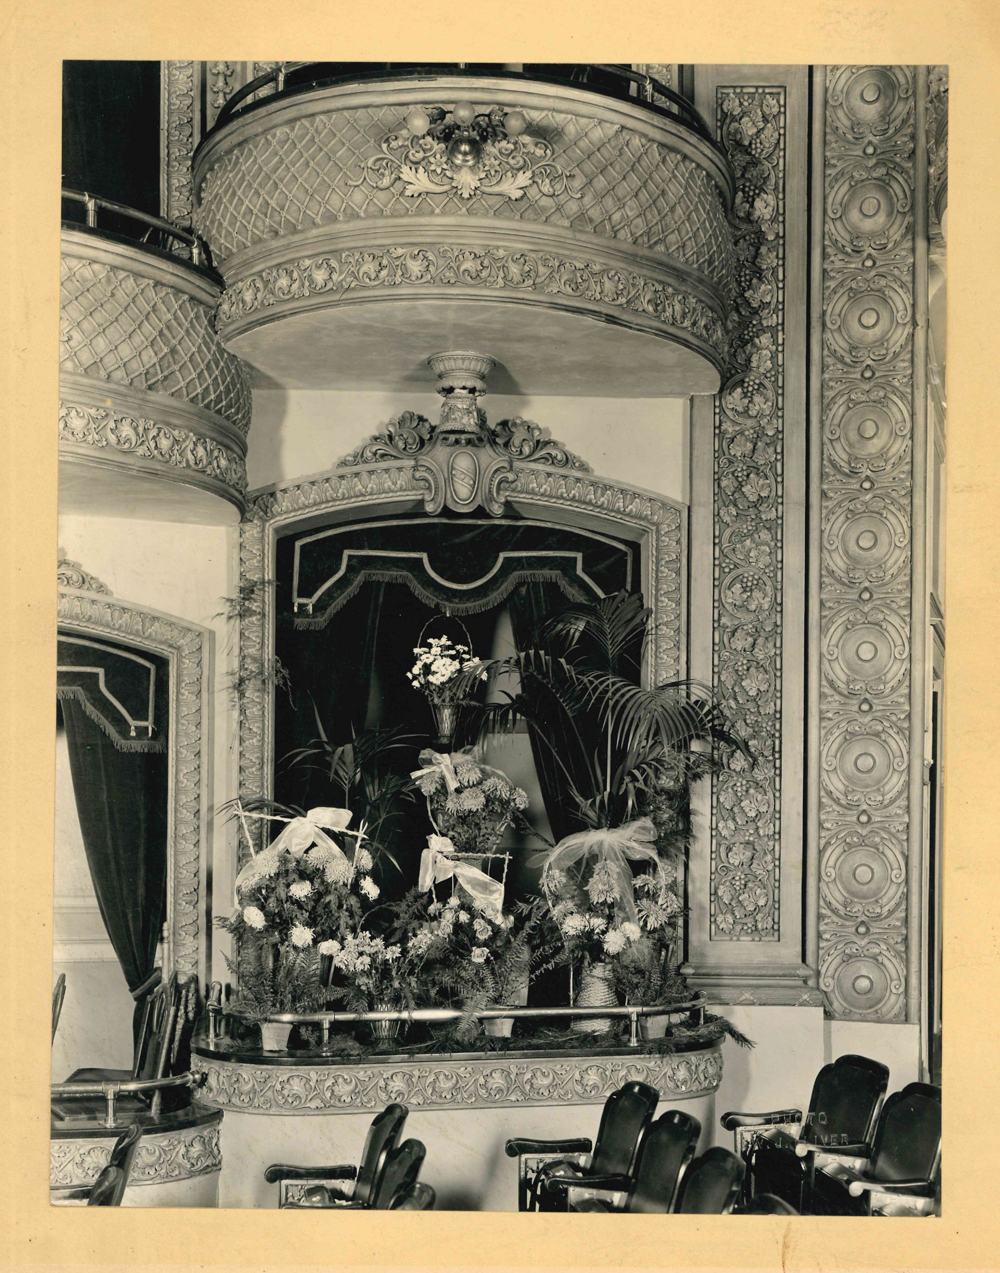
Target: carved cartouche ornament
{"type": "Point", "coordinates": [439, 150]}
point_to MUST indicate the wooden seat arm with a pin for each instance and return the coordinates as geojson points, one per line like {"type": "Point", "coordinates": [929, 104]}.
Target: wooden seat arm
{"type": "Point", "coordinates": [613, 1184]}
{"type": "Point", "coordinates": [285, 1171]}
{"type": "Point", "coordinates": [914, 1188]}
{"type": "Point", "coordinates": [514, 1148]}
{"type": "Point", "coordinates": [735, 1118]}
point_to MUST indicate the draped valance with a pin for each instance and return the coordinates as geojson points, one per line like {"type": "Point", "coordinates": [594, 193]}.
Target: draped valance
{"type": "Point", "coordinates": [460, 566]}
{"type": "Point", "coordinates": [122, 691]}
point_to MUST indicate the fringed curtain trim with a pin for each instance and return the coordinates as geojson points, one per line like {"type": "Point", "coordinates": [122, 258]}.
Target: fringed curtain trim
{"type": "Point", "coordinates": [128, 743]}
{"type": "Point", "coordinates": [478, 606]}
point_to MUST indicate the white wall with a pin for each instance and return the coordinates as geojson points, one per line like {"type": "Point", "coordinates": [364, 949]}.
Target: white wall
{"type": "Point", "coordinates": [641, 441]}
{"type": "Point", "coordinates": [186, 571]}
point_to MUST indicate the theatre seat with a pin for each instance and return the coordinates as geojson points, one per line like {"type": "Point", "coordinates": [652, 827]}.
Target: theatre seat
{"type": "Point", "coordinates": [548, 1169]}
{"type": "Point", "coordinates": [902, 1175]}
{"type": "Point", "coordinates": [383, 1137]}
{"type": "Point", "coordinates": [666, 1151]}
{"type": "Point", "coordinates": [396, 1184]}
{"type": "Point", "coordinates": [779, 1146]}
{"type": "Point", "coordinates": [712, 1184]}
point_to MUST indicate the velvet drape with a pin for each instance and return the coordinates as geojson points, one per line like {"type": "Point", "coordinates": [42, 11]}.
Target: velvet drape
{"type": "Point", "coordinates": [121, 798]}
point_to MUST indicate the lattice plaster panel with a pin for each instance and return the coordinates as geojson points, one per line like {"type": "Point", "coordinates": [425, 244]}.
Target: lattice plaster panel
{"type": "Point", "coordinates": [312, 172]}
{"type": "Point", "coordinates": [119, 326]}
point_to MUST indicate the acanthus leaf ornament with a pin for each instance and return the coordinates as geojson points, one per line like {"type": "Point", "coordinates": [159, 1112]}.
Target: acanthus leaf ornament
{"type": "Point", "coordinates": [477, 157]}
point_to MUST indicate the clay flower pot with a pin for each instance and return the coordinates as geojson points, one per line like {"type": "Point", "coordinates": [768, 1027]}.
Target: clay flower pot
{"type": "Point", "coordinates": [274, 1036]}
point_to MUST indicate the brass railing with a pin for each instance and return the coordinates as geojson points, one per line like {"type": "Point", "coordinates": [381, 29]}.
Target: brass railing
{"type": "Point", "coordinates": [112, 1089]}
{"type": "Point", "coordinates": [93, 204]}
{"type": "Point", "coordinates": [440, 1015]}
{"type": "Point", "coordinates": [648, 87]}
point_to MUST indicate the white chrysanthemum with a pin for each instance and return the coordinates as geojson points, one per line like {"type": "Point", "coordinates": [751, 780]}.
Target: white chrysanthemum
{"type": "Point", "coordinates": [369, 887]}
{"type": "Point", "coordinates": [479, 954]}
{"type": "Point", "coordinates": [254, 916]}
{"type": "Point", "coordinates": [632, 931]}
{"type": "Point", "coordinates": [337, 870]}
{"type": "Point", "coordinates": [301, 889]}
{"type": "Point", "coordinates": [301, 936]}
{"type": "Point", "coordinates": [392, 953]}
{"type": "Point", "coordinates": [482, 929]}
{"type": "Point", "coordinates": [362, 859]}
{"type": "Point", "coordinates": [363, 963]}
{"type": "Point", "coordinates": [329, 947]}
{"type": "Point", "coordinates": [615, 941]}
{"type": "Point", "coordinates": [574, 924]}
{"type": "Point", "coordinates": [596, 923]}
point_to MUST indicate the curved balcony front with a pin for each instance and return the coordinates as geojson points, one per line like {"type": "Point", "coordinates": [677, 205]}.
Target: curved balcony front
{"type": "Point", "coordinates": [153, 411]}
{"type": "Point", "coordinates": [586, 246]}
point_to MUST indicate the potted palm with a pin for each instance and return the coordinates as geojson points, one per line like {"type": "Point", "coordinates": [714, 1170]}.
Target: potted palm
{"type": "Point", "coordinates": [626, 754]}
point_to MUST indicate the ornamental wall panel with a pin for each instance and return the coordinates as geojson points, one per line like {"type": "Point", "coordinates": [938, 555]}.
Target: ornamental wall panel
{"type": "Point", "coordinates": [866, 672]}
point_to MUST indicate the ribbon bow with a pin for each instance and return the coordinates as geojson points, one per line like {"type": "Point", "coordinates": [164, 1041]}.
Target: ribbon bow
{"type": "Point", "coordinates": [614, 848]}
{"type": "Point", "coordinates": [300, 835]}
{"type": "Point", "coordinates": [436, 866]}
{"type": "Point", "coordinates": [440, 765]}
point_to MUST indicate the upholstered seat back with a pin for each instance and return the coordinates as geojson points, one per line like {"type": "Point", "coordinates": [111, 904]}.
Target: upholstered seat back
{"type": "Point", "coordinates": [667, 1149]}
{"type": "Point", "coordinates": [627, 1114]}
{"type": "Point", "coordinates": [845, 1102]}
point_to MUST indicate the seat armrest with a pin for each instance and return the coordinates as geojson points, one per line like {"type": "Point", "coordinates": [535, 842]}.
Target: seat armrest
{"type": "Point", "coordinates": [514, 1148]}
{"type": "Point", "coordinates": [285, 1171]}
{"type": "Point", "coordinates": [735, 1118]}
{"type": "Point", "coordinates": [860, 1150]}
{"type": "Point", "coordinates": [915, 1188]}
{"type": "Point", "coordinates": [613, 1184]}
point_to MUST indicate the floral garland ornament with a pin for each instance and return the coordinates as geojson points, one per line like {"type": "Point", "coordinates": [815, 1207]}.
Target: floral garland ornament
{"type": "Point", "coordinates": [438, 150]}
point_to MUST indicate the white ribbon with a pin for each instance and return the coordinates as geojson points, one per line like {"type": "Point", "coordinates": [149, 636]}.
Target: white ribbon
{"type": "Point", "coordinates": [440, 765]}
{"type": "Point", "coordinates": [300, 835]}
{"type": "Point", "coordinates": [615, 847]}
{"type": "Point", "coordinates": [436, 866]}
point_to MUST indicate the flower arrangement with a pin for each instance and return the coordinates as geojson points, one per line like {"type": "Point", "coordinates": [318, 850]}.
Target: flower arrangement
{"type": "Point", "coordinates": [438, 666]}
{"type": "Point", "coordinates": [291, 898]}
{"type": "Point", "coordinates": [375, 971]}
{"type": "Point", "coordinates": [470, 803]}
{"type": "Point", "coordinates": [590, 915]}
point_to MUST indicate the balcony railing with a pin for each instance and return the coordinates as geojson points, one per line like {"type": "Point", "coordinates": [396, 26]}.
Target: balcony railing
{"type": "Point", "coordinates": [610, 79]}
{"type": "Point", "coordinates": [93, 205]}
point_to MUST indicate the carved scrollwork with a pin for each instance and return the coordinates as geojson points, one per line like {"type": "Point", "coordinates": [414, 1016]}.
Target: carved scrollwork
{"type": "Point", "coordinates": [70, 574]}
{"type": "Point", "coordinates": [525, 440]}
{"type": "Point", "coordinates": [103, 428]}
{"type": "Point", "coordinates": [403, 437]}
{"type": "Point", "coordinates": [177, 111]}
{"type": "Point", "coordinates": [865, 497]}
{"type": "Point", "coordinates": [744, 886]}
{"type": "Point", "coordinates": [347, 273]}
{"type": "Point", "coordinates": [161, 1157]}
{"type": "Point", "coordinates": [435, 1084]}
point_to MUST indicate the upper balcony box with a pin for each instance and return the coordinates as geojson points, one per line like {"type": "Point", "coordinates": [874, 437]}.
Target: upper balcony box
{"type": "Point", "coordinates": [581, 237]}
{"type": "Point", "coordinates": [154, 411]}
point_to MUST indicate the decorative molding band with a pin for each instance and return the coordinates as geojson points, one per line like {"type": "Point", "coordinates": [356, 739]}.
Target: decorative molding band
{"type": "Point", "coordinates": [70, 574]}
{"type": "Point", "coordinates": [162, 1157]}
{"type": "Point", "coordinates": [102, 428]}
{"type": "Point", "coordinates": [661, 525]}
{"type": "Point", "coordinates": [866, 493]}
{"type": "Point", "coordinates": [748, 479]}
{"type": "Point", "coordinates": [349, 275]}
{"type": "Point", "coordinates": [179, 130]}
{"type": "Point", "coordinates": [187, 648]}
{"type": "Point", "coordinates": [490, 1083]}
{"type": "Point", "coordinates": [937, 152]}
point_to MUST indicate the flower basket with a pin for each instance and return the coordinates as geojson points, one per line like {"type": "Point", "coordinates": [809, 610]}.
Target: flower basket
{"type": "Point", "coordinates": [442, 672]}
{"type": "Point", "coordinates": [596, 991]}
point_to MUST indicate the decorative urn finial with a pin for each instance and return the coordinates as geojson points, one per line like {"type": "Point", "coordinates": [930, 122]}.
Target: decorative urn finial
{"type": "Point", "coordinates": [462, 375]}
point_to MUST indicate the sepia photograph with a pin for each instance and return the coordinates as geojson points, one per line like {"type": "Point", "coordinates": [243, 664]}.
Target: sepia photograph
{"type": "Point", "coordinates": [500, 681]}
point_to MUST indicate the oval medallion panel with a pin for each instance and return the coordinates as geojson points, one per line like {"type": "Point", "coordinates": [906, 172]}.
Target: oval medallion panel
{"type": "Point", "coordinates": [463, 477]}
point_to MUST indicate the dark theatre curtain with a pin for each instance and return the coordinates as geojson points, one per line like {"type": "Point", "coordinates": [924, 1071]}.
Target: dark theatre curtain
{"type": "Point", "coordinates": [350, 658]}
{"type": "Point", "coordinates": [121, 797]}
